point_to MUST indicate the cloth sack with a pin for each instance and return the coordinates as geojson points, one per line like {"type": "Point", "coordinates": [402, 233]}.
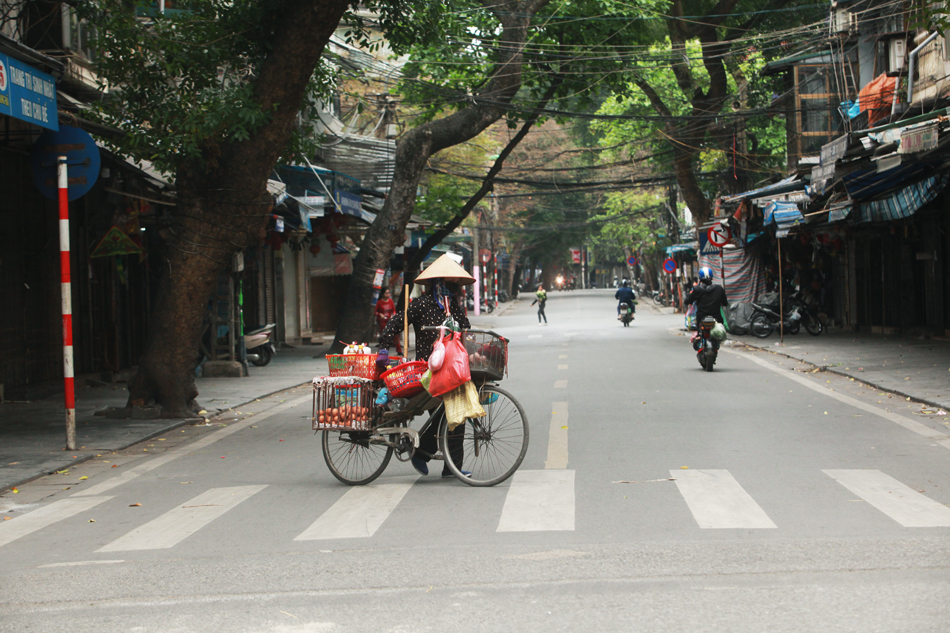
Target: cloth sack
{"type": "Point", "coordinates": [462, 403]}
{"type": "Point", "coordinates": [454, 371]}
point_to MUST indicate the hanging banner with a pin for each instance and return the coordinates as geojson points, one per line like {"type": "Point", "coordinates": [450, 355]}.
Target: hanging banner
{"type": "Point", "coordinates": [115, 242]}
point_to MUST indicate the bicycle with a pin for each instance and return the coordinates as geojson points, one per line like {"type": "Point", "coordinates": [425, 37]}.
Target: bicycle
{"type": "Point", "coordinates": [492, 446]}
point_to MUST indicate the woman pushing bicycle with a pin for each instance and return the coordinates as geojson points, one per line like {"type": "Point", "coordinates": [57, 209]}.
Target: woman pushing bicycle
{"type": "Point", "coordinates": [442, 298]}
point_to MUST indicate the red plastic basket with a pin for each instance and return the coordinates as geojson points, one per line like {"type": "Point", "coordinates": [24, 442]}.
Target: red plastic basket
{"type": "Point", "coordinates": [403, 380]}
{"type": "Point", "coordinates": [359, 365]}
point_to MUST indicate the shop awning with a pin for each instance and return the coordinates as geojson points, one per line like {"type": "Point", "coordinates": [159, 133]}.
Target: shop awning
{"type": "Point", "coordinates": [787, 185]}
{"type": "Point", "coordinates": [904, 203]}
{"type": "Point", "coordinates": [784, 215]}
{"type": "Point", "coordinates": [681, 248]}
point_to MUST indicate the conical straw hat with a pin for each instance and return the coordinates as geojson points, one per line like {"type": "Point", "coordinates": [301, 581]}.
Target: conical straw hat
{"type": "Point", "coordinates": [445, 268]}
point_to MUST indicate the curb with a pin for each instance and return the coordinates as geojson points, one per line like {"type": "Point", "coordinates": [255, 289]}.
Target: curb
{"type": "Point", "coordinates": [837, 372]}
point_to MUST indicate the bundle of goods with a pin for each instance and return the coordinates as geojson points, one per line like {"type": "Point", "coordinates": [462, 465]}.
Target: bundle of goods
{"type": "Point", "coordinates": [487, 355]}
{"type": "Point", "coordinates": [357, 360]}
{"type": "Point", "coordinates": [342, 403]}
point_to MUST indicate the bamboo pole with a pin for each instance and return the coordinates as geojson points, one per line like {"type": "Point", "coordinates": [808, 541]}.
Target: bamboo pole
{"type": "Point", "coordinates": [405, 322]}
{"type": "Point", "coordinates": [781, 311]}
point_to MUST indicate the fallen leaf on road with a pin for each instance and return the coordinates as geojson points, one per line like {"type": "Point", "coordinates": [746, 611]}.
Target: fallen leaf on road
{"type": "Point", "coordinates": [13, 463]}
{"type": "Point", "coordinates": [134, 505]}
{"type": "Point", "coordinates": [184, 482]}
{"type": "Point", "coordinates": [115, 465]}
{"type": "Point", "coordinates": [684, 467]}
{"type": "Point", "coordinates": [81, 478]}
{"type": "Point", "coordinates": [7, 518]}
{"type": "Point", "coordinates": [15, 491]}
{"type": "Point", "coordinates": [92, 520]}
{"type": "Point", "coordinates": [563, 427]}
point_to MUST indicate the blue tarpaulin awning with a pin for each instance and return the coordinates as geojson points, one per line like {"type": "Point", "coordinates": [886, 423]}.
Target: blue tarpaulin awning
{"type": "Point", "coordinates": [903, 203]}
{"type": "Point", "coordinates": [784, 215]}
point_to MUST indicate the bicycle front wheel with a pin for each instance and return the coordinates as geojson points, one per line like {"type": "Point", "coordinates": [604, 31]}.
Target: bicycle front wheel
{"type": "Point", "coordinates": [488, 450]}
{"type": "Point", "coordinates": [352, 458]}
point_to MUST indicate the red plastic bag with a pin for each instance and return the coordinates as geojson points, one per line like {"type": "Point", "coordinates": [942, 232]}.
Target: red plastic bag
{"type": "Point", "coordinates": [454, 371]}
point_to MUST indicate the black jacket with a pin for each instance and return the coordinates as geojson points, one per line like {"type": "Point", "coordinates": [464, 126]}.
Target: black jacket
{"type": "Point", "coordinates": [708, 299]}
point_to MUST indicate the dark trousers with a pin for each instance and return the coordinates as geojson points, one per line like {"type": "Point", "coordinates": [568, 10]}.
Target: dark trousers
{"type": "Point", "coordinates": [541, 313]}
{"type": "Point", "coordinates": [429, 443]}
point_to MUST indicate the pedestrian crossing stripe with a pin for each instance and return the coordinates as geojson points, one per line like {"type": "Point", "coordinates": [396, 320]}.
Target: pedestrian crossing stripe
{"type": "Point", "coordinates": [179, 523]}
{"type": "Point", "coordinates": [536, 500]}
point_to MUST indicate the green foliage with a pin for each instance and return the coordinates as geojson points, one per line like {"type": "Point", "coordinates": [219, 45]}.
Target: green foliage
{"type": "Point", "coordinates": [182, 84]}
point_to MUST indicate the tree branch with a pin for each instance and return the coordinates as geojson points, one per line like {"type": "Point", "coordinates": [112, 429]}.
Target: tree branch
{"type": "Point", "coordinates": [487, 182]}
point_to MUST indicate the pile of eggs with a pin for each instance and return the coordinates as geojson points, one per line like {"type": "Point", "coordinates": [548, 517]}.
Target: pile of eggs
{"type": "Point", "coordinates": [343, 416]}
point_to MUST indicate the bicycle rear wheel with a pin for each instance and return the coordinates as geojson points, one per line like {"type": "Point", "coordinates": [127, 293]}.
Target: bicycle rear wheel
{"type": "Point", "coordinates": [352, 458]}
{"type": "Point", "coordinates": [492, 446]}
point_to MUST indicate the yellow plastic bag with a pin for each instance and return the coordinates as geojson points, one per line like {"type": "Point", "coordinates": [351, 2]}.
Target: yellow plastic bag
{"type": "Point", "coordinates": [462, 403]}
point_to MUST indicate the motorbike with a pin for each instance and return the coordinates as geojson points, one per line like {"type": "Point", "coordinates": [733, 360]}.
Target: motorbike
{"type": "Point", "coordinates": [809, 313]}
{"type": "Point", "coordinates": [766, 319]}
{"type": "Point", "coordinates": [707, 348]}
{"type": "Point", "coordinates": [260, 345]}
{"type": "Point", "coordinates": [487, 306]}
{"type": "Point", "coordinates": [626, 314]}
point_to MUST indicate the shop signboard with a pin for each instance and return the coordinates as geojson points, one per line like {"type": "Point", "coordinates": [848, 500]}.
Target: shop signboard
{"type": "Point", "coordinates": [831, 152]}
{"type": "Point", "coordinates": [919, 139]}
{"type": "Point", "coordinates": [27, 93]}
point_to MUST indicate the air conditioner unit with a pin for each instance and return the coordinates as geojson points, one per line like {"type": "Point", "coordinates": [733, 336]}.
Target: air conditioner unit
{"type": "Point", "coordinates": [844, 21]}
{"type": "Point", "coordinates": [896, 53]}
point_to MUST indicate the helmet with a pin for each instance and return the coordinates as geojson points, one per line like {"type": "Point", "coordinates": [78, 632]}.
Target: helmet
{"type": "Point", "coordinates": [706, 274]}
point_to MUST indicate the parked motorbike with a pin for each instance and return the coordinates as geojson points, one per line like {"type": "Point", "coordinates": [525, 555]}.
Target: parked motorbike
{"type": "Point", "coordinates": [766, 319]}
{"type": "Point", "coordinates": [809, 313]}
{"type": "Point", "coordinates": [626, 314]}
{"type": "Point", "coordinates": [487, 306]}
{"type": "Point", "coordinates": [260, 345]}
{"type": "Point", "coordinates": [707, 348]}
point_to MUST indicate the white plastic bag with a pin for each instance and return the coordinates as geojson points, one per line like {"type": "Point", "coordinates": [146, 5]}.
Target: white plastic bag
{"type": "Point", "coordinates": [438, 353]}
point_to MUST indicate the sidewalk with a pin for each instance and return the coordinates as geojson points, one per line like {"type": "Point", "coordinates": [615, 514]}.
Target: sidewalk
{"type": "Point", "coordinates": [33, 433]}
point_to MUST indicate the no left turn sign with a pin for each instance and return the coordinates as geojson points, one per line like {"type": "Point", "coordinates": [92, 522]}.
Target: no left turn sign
{"type": "Point", "coordinates": [719, 235]}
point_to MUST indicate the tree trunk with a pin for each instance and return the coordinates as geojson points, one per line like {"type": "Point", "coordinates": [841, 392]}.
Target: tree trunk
{"type": "Point", "coordinates": [224, 206]}
{"type": "Point", "coordinates": [412, 153]}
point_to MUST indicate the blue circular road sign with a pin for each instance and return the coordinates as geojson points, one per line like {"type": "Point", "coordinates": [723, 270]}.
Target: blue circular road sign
{"type": "Point", "coordinates": [669, 265]}
{"type": "Point", "coordinates": [632, 260]}
{"type": "Point", "coordinates": [82, 161]}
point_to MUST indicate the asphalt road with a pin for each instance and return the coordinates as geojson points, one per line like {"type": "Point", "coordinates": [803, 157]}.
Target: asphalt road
{"type": "Point", "coordinates": [654, 497]}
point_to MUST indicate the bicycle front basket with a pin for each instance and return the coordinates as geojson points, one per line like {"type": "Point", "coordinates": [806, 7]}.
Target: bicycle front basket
{"type": "Point", "coordinates": [487, 355]}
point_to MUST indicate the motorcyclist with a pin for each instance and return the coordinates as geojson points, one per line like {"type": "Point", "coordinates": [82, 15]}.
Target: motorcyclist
{"type": "Point", "coordinates": [624, 295]}
{"type": "Point", "coordinates": [709, 298]}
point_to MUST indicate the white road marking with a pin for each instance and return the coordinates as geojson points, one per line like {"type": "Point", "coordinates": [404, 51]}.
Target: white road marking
{"type": "Point", "coordinates": [557, 437]}
{"type": "Point", "coordinates": [178, 524]}
{"type": "Point", "coordinates": [560, 384]}
{"type": "Point", "coordinates": [562, 366]}
{"type": "Point", "coordinates": [718, 501]}
{"type": "Point", "coordinates": [563, 356]}
{"type": "Point", "coordinates": [360, 512]}
{"type": "Point", "coordinates": [152, 464]}
{"type": "Point", "coordinates": [79, 563]}
{"type": "Point", "coordinates": [912, 425]}
{"type": "Point", "coordinates": [539, 501]}
{"type": "Point", "coordinates": [903, 504]}
{"type": "Point", "coordinates": [47, 515]}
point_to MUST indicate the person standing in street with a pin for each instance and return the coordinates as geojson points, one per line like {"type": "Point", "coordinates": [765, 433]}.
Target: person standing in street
{"type": "Point", "coordinates": [542, 298]}
{"type": "Point", "coordinates": [385, 308]}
